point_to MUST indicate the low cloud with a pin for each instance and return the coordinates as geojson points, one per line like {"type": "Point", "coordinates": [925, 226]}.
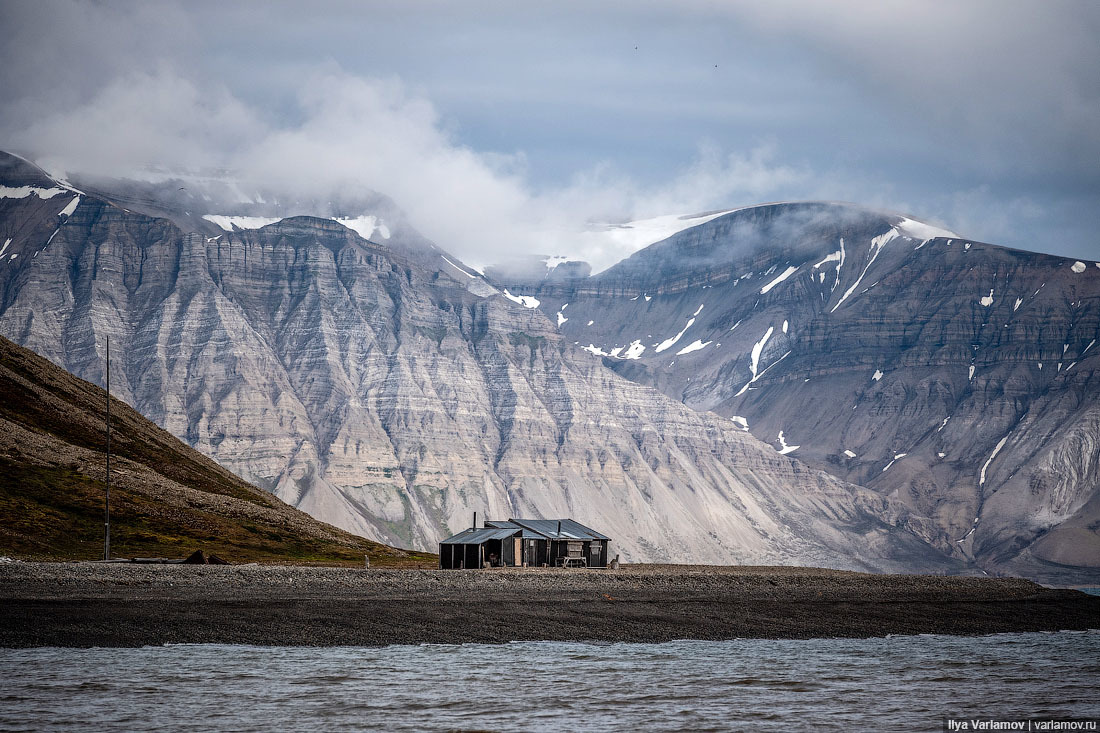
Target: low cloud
{"type": "Point", "coordinates": [499, 135]}
{"type": "Point", "coordinates": [351, 133]}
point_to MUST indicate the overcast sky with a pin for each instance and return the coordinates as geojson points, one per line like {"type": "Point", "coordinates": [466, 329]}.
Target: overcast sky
{"type": "Point", "coordinates": [510, 126]}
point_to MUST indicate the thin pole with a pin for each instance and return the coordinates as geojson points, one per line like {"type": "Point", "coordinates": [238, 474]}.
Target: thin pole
{"type": "Point", "coordinates": [107, 505]}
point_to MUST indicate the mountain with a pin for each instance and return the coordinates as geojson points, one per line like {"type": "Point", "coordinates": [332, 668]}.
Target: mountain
{"type": "Point", "coordinates": [166, 499]}
{"type": "Point", "coordinates": [392, 391]}
{"type": "Point", "coordinates": [955, 377]}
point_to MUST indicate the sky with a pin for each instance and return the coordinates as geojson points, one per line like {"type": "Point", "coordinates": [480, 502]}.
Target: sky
{"type": "Point", "coordinates": [505, 127]}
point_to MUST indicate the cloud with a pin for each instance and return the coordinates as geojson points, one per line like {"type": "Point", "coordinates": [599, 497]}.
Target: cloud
{"type": "Point", "coordinates": [141, 120]}
{"type": "Point", "coordinates": [500, 128]}
{"type": "Point", "coordinates": [367, 134]}
{"type": "Point", "coordinates": [1014, 81]}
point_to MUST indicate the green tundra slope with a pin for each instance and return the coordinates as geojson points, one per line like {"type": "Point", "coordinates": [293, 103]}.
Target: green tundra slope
{"type": "Point", "coordinates": [167, 499]}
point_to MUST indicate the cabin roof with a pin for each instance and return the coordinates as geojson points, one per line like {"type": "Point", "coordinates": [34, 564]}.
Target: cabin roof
{"type": "Point", "coordinates": [478, 536]}
{"type": "Point", "coordinates": [548, 528]}
{"type": "Point", "coordinates": [528, 529]}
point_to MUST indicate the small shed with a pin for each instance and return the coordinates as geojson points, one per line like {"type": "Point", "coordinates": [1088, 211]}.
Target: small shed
{"type": "Point", "coordinates": [525, 543]}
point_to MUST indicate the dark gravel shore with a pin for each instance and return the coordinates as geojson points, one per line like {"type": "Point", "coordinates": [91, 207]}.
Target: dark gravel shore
{"type": "Point", "coordinates": [81, 605]}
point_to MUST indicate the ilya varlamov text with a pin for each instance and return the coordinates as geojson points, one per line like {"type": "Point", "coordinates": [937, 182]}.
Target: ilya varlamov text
{"type": "Point", "coordinates": [1033, 724]}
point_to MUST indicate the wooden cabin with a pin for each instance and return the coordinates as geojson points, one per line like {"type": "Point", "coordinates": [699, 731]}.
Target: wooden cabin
{"type": "Point", "coordinates": [525, 543]}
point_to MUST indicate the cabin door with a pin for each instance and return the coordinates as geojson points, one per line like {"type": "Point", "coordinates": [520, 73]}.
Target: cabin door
{"type": "Point", "coordinates": [595, 559]}
{"type": "Point", "coordinates": [517, 556]}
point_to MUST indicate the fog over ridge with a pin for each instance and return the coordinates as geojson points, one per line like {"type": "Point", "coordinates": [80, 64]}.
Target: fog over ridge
{"type": "Point", "coordinates": [500, 129]}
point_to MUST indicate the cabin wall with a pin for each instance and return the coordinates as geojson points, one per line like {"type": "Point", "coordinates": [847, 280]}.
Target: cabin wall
{"type": "Point", "coordinates": [536, 553]}
{"type": "Point", "coordinates": [597, 554]}
{"type": "Point", "coordinates": [516, 551]}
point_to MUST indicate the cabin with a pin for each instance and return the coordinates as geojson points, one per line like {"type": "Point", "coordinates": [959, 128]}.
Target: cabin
{"type": "Point", "coordinates": [521, 543]}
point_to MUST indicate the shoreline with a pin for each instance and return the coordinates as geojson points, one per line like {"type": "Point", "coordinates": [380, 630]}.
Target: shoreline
{"type": "Point", "coordinates": [124, 605]}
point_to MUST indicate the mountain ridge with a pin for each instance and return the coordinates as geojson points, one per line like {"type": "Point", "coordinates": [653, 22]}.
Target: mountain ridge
{"type": "Point", "coordinates": [782, 318]}
{"type": "Point", "coordinates": [394, 392]}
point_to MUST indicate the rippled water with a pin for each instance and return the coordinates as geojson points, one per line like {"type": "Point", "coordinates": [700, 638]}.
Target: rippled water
{"type": "Point", "coordinates": [897, 683]}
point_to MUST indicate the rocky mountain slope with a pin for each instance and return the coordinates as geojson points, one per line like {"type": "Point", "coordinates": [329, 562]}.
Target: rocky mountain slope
{"type": "Point", "coordinates": [167, 499]}
{"type": "Point", "coordinates": [955, 377]}
{"type": "Point", "coordinates": [392, 391]}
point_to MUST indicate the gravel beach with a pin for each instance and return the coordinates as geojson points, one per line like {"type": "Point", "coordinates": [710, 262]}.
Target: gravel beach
{"type": "Point", "coordinates": [82, 605]}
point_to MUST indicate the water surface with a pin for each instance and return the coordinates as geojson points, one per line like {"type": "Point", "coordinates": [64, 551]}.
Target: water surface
{"type": "Point", "coordinates": [896, 683]}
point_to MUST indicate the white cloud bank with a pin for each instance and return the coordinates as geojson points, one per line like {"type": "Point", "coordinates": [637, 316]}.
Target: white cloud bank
{"type": "Point", "coordinates": [980, 115]}
{"type": "Point", "coordinates": [352, 133]}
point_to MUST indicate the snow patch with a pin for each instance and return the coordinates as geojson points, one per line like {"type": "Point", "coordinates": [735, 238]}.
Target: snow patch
{"type": "Point", "coordinates": [364, 226]}
{"type": "Point", "coordinates": [635, 235]}
{"type": "Point", "coordinates": [877, 245]}
{"type": "Point", "coordinates": [754, 356]}
{"type": "Point", "coordinates": [648, 298]}
{"type": "Point", "coordinates": [943, 424]}
{"type": "Point", "coordinates": [590, 323]}
{"type": "Point", "coordinates": [671, 341]}
{"type": "Point", "coordinates": [783, 276]}
{"type": "Point", "coordinates": [987, 300]}
{"type": "Point", "coordinates": [1078, 266]}
{"type": "Point", "coordinates": [70, 208]}
{"type": "Point", "coordinates": [634, 351]}
{"type": "Point", "coordinates": [22, 192]}
{"type": "Point", "coordinates": [233, 223]}
{"type": "Point", "coordinates": [740, 421]}
{"type": "Point", "coordinates": [971, 375]}
{"type": "Point", "coordinates": [919, 230]}
{"type": "Point", "coordinates": [838, 266]}
{"type": "Point", "coordinates": [693, 346]}
{"type": "Point", "coordinates": [877, 375]}
{"type": "Point", "coordinates": [5, 247]}
{"type": "Point", "coordinates": [456, 267]}
{"type": "Point", "coordinates": [555, 260]}
{"type": "Point", "coordinates": [784, 449]}
{"type": "Point", "coordinates": [850, 454]}
{"type": "Point", "coordinates": [754, 360]}
{"type": "Point", "coordinates": [561, 319]}
{"type": "Point", "coordinates": [1016, 306]}
{"type": "Point", "coordinates": [981, 479]}
{"type": "Point", "coordinates": [595, 350]}
{"type": "Point", "coordinates": [526, 301]}
{"type": "Point", "coordinates": [784, 326]}
{"type": "Point", "coordinates": [834, 257]}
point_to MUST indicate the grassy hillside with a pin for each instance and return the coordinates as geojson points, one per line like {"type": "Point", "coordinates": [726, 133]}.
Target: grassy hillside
{"type": "Point", "coordinates": [167, 499]}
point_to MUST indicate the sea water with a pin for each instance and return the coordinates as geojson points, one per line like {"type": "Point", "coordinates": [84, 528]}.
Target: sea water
{"type": "Point", "coordinates": [893, 683]}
